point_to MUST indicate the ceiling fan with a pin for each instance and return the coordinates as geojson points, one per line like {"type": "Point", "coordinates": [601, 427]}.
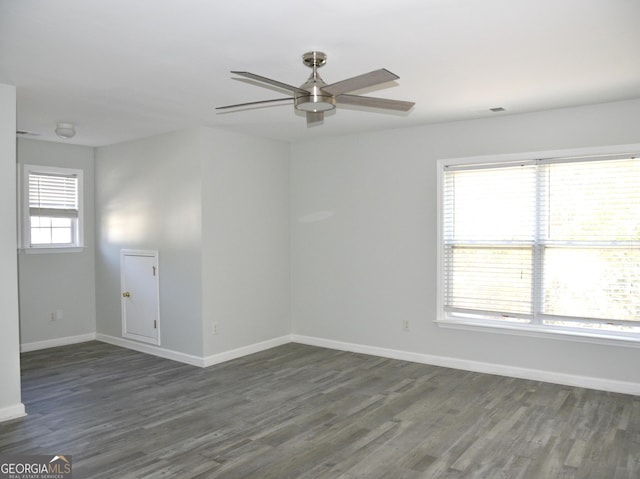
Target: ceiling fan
{"type": "Point", "coordinates": [314, 96]}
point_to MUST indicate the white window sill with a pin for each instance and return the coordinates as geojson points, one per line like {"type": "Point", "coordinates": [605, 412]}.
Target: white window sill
{"type": "Point", "coordinates": [543, 332]}
{"type": "Point", "coordinates": [54, 250]}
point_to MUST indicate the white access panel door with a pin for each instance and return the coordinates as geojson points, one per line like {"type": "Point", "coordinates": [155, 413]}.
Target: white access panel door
{"type": "Point", "coordinates": [140, 295]}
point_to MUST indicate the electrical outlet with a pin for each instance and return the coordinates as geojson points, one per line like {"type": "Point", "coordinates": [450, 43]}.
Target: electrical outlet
{"type": "Point", "coordinates": [52, 316]}
{"type": "Point", "coordinates": [405, 325]}
{"type": "Point", "coordinates": [214, 327]}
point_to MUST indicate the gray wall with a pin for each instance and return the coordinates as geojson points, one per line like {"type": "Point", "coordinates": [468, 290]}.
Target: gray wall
{"type": "Point", "coordinates": [371, 262]}
{"type": "Point", "coordinates": [215, 206]}
{"type": "Point", "coordinates": [245, 240]}
{"type": "Point", "coordinates": [148, 196]}
{"type": "Point", "coordinates": [357, 255]}
{"type": "Point", "coordinates": [10, 405]}
{"type": "Point", "coordinates": [54, 281]}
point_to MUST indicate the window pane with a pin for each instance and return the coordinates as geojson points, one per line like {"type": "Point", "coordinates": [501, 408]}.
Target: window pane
{"type": "Point", "coordinates": [47, 230]}
{"type": "Point", "coordinates": [40, 221]}
{"type": "Point", "coordinates": [61, 222]}
{"type": "Point", "coordinates": [597, 200]}
{"type": "Point", "coordinates": [40, 236]}
{"type": "Point", "coordinates": [490, 204]}
{"type": "Point", "coordinates": [61, 236]}
{"type": "Point", "coordinates": [489, 279]}
{"type": "Point", "coordinates": [592, 283]}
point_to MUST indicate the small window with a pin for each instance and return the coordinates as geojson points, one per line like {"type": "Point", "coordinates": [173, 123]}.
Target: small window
{"type": "Point", "coordinates": [52, 207]}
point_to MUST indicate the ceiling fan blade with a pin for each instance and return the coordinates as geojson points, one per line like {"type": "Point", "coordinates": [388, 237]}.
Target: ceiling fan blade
{"type": "Point", "coordinates": [361, 81]}
{"type": "Point", "coordinates": [372, 102]}
{"type": "Point", "coordinates": [314, 117]}
{"type": "Point", "coordinates": [251, 103]}
{"type": "Point", "coordinates": [284, 86]}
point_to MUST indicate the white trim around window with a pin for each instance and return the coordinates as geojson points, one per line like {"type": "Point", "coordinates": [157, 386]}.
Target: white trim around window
{"type": "Point", "coordinates": [65, 205]}
{"type": "Point", "coordinates": [521, 322]}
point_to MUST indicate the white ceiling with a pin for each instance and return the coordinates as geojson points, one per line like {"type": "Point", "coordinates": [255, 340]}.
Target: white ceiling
{"type": "Point", "coordinates": [125, 69]}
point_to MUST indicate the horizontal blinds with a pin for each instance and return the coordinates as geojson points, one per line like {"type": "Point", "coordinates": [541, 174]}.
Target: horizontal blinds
{"type": "Point", "coordinates": [591, 254]}
{"type": "Point", "coordinates": [551, 237]}
{"type": "Point", "coordinates": [489, 278]}
{"type": "Point", "coordinates": [53, 196]}
{"type": "Point", "coordinates": [597, 201]}
{"type": "Point", "coordinates": [489, 232]}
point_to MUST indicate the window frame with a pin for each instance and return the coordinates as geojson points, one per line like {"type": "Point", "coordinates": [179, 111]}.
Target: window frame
{"type": "Point", "coordinates": [534, 329]}
{"type": "Point", "coordinates": [24, 229]}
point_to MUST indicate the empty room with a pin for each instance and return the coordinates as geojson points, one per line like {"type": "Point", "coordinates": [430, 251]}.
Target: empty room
{"type": "Point", "coordinates": [320, 240]}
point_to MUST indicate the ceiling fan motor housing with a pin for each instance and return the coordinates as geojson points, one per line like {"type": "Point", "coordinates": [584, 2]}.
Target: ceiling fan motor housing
{"type": "Point", "coordinates": [317, 100]}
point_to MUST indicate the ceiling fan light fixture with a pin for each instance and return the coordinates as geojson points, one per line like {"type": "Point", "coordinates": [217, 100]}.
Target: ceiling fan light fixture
{"type": "Point", "coordinates": [315, 103]}
{"type": "Point", "coordinates": [65, 130]}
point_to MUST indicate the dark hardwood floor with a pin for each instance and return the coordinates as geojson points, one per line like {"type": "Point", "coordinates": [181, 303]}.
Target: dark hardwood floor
{"type": "Point", "coordinates": [304, 412]}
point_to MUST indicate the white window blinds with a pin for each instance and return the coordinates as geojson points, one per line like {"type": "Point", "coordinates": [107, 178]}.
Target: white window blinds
{"type": "Point", "coordinates": [552, 242]}
{"type": "Point", "coordinates": [53, 196]}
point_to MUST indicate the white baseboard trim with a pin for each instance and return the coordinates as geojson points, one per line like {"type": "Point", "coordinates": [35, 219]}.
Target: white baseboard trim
{"type": "Point", "coordinates": [201, 362]}
{"type": "Point", "coordinates": [151, 349]}
{"type": "Point", "coordinates": [54, 343]}
{"type": "Point", "coordinates": [12, 412]}
{"type": "Point", "coordinates": [589, 382]}
{"type": "Point", "coordinates": [245, 350]}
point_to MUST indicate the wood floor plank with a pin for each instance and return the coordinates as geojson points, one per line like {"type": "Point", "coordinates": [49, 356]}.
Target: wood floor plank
{"type": "Point", "coordinates": [299, 411]}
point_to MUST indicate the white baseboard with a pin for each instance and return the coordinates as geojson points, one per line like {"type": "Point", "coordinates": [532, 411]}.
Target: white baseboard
{"type": "Point", "coordinates": [53, 343]}
{"type": "Point", "coordinates": [12, 412]}
{"type": "Point", "coordinates": [151, 349]}
{"type": "Point", "coordinates": [590, 382]}
{"type": "Point", "coordinates": [190, 359]}
{"type": "Point", "coordinates": [623, 387]}
{"type": "Point", "coordinates": [245, 350]}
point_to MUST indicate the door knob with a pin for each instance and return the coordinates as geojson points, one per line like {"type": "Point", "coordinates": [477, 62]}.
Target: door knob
{"type": "Point", "coordinates": [126, 294]}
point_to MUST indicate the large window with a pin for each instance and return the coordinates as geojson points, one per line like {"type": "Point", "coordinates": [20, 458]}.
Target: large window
{"type": "Point", "coordinates": [550, 244]}
{"type": "Point", "coordinates": [52, 207]}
